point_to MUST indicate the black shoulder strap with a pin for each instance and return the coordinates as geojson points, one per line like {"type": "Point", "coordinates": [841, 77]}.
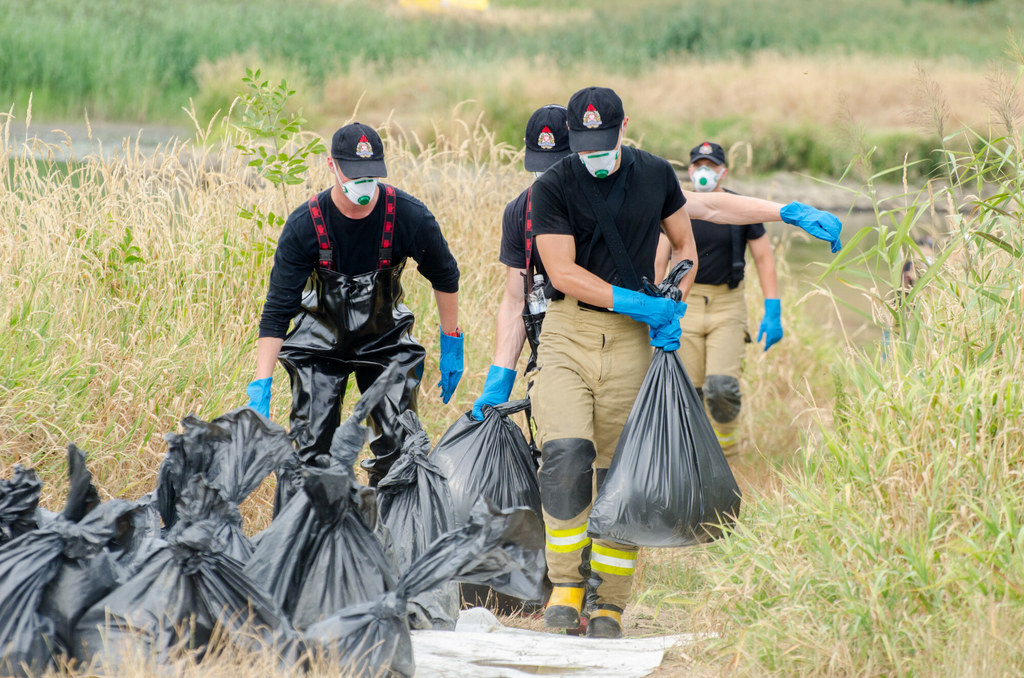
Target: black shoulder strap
{"type": "Point", "coordinates": [325, 256]}
{"type": "Point", "coordinates": [605, 211]}
{"type": "Point", "coordinates": [736, 234]}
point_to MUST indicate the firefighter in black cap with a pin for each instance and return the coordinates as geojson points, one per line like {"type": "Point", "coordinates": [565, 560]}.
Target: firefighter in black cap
{"type": "Point", "coordinates": [715, 327]}
{"type": "Point", "coordinates": [595, 347]}
{"type": "Point", "coordinates": [522, 307]}
{"type": "Point", "coordinates": [337, 275]}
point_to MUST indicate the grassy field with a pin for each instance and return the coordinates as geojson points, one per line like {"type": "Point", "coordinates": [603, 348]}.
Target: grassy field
{"type": "Point", "coordinates": [881, 525]}
{"type": "Point", "coordinates": [881, 529]}
{"type": "Point", "coordinates": [795, 80]}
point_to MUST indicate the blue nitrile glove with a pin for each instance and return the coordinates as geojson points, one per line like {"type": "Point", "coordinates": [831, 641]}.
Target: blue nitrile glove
{"type": "Point", "coordinates": [451, 365]}
{"type": "Point", "coordinates": [259, 395]}
{"type": "Point", "coordinates": [655, 311]}
{"type": "Point", "coordinates": [822, 225]}
{"type": "Point", "coordinates": [771, 324]}
{"type": "Point", "coordinates": [497, 389]}
{"type": "Point", "coordinates": [667, 336]}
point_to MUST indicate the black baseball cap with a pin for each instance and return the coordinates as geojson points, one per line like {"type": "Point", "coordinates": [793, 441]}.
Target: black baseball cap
{"type": "Point", "coordinates": [595, 117]}
{"type": "Point", "coordinates": [547, 138]}
{"type": "Point", "coordinates": [708, 151]}
{"type": "Point", "coordinates": [358, 151]}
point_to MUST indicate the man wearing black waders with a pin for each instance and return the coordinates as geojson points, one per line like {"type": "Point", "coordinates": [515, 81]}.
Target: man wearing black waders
{"type": "Point", "coordinates": [523, 304]}
{"type": "Point", "coordinates": [346, 247]}
{"type": "Point", "coordinates": [597, 215]}
{"type": "Point", "coordinates": [714, 337]}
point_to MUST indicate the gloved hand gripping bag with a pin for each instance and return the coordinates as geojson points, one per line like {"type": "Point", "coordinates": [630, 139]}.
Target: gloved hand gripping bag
{"type": "Point", "coordinates": [669, 483]}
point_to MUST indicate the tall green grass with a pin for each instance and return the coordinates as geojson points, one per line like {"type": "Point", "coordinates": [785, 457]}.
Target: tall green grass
{"type": "Point", "coordinates": [137, 59]}
{"type": "Point", "coordinates": [893, 547]}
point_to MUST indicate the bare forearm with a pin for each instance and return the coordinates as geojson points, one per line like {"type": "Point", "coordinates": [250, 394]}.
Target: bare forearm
{"type": "Point", "coordinates": [767, 276]}
{"type": "Point", "coordinates": [729, 208]}
{"type": "Point", "coordinates": [267, 349]}
{"type": "Point", "coordinates": [447, 310]}
{"type": "Point", "coordinates": [579, 283]}
{"type": "Point", "coordinates": [510, 334]}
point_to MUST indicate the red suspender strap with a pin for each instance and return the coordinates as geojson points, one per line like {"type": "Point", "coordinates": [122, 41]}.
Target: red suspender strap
{"type": "Point", "coordinates": [529, 228]}
{"type": "Point", "coordinates": [387, 236]}
{"type": "Point", "coordinates": [326, 254]}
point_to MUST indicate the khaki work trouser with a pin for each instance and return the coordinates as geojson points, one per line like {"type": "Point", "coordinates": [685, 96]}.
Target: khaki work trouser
{"type": "Point", "coordinates": [712, 348]}
{"type": "Point", "coordinates": [590, 368]}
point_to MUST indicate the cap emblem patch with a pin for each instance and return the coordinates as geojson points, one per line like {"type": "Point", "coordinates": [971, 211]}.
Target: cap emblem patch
{"type": "Point", "coordinates": [705, 149]}
{"type": "Point", "coordinates": [363, 148]}
{"type": "Point", "coordinates": [591, 118]}
{"type": "Point", "coordinates": [546, 139]}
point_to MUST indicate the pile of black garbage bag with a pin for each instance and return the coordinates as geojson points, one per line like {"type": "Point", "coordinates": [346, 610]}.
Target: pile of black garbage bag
{"type": "Point", "coordinates": [342, 572]}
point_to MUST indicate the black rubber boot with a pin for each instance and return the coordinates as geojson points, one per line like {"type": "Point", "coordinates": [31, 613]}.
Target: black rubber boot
{"type": "Point", "coordinates": [604, 627]}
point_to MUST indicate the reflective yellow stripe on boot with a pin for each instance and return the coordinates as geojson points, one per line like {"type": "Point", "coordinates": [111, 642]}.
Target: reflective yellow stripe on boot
{"type": "Point", "coordinates": [567, 540]}
{"type": "Point", "coordinates": [612, 561]}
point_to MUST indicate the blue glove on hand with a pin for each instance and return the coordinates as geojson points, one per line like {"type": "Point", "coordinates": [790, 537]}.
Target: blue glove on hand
{"type": "Point", "coordinates": [667, 336]}
{"type": "Point", "coordinates": [820, 224]}
{"type": "Point", "coordinates": [771, 324]}
{"type": "Point", "coordinates": [451, 365]}
{"type": "Point", "coordinates": [259, 395]}
{"type": "Point", "coordinates": [497, 389]}
{"type": "Point", "coordinates": [655, 311]}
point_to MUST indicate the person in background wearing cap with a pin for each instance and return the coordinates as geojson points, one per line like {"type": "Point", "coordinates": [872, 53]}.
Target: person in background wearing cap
{"type": "Point", "coordinates": [715, 328]}
{"type": "Point", "coordinates": [596, 217]}
{"type": "Point", "coordinates": [347, 247]}
{"type": "Point", "coordinates": [547, 142]}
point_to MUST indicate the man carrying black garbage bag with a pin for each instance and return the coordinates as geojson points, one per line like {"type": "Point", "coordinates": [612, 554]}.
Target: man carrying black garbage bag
{"type": "Point", "coordinates": [346, 248]}
{"type": "Point", "coordinates": [522, 305]}
{"type": "Point", "coordinates": [597, 215]}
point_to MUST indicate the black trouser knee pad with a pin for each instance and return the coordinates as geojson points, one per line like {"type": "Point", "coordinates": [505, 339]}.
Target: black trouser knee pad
{"type": "Point", "coordinates": [722, 395]}
{"type": "Point", "coordinates": [566, 476]}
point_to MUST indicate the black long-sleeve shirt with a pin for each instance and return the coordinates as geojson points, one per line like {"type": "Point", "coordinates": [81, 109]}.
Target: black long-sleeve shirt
{"type": "Point", "coordinates": [356, 243]}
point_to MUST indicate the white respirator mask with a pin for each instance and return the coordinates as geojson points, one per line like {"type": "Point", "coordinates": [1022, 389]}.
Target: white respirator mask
{"type": "Point", "coordinates": [705, 179]}
{"type": "Point", "coordinates": [359, 191]}
{"type": "Point", "coordinates": [600, 163]}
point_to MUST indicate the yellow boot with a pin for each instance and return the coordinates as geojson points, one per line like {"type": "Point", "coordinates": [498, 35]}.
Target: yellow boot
{"type": "Point", "coordinates": [605, 623]}
{"type": "Point", "coordinates": [563, 608]}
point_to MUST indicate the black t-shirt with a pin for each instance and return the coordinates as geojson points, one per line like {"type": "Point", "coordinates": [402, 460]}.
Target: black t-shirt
{"type": "Point", "coordinates": [513, 235]}
{"type": "Point", "coordinates": [356, 245]}
{"type": "Point", "coordinates": [652, 194]}
{"type": "Point", "coordinates": [714, 248]}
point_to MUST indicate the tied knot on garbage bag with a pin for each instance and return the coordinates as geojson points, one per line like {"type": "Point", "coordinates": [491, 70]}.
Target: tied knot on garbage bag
{"type": "Point", "coordinates": [50, 575]}
{"type": "Point", "coordinates": [324, 551]}
{"type": "Point", "coordinates": [19, 499]}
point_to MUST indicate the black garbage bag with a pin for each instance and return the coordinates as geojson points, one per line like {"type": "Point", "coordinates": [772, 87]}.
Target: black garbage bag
{"type": "Point", "coordinates": [489, 458]}
{"type": "Point", "coordinates": [289, 483]}
{"type": "Point", "coordinates": [187, 588]}
{"type": "Point", "coordinates": [669, 483]}
{"type": "Point", "coordinates": [416, 506]}
{"type": "Point", "coordinates": [234, 452]}
{"type": "Point", "coordinates": [322, 553]}
{"type": "Point", "coordinates": [50, 575]}
{"type": "Point", "coordinates": [19, 499]}
{"type": "Point", "coordinates": [496, 548]}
